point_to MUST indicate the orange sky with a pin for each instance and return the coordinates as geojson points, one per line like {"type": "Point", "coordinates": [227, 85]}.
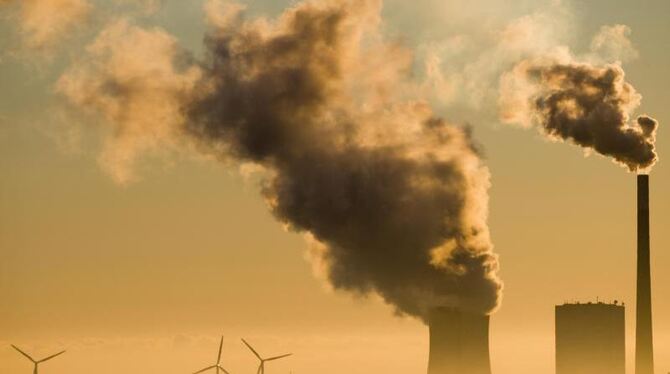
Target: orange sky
{"type": "Point", "coordinates": [144, 277]}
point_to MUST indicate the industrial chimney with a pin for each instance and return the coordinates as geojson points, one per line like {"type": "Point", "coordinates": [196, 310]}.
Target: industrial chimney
{"type": "Point", "coordinates": [459, 342]}
{"type": "Point", "coordinates": [644, 350]}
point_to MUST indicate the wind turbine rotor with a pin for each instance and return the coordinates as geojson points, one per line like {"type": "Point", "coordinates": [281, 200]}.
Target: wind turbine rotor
{"type": "Point", "coordinates": [218, 358]}
{"type": "Point", "coordinates": [278, 357]}
{"type": "Point", "coordinates": [23, 353]}
{"type": "Point", "coordinates": [205, 369]}
{"type": "Point", "coordinates": [252, 350]}
{"type": "Point", "coordinates": [50, 357]}
{"type": "Point", "coordinates": [216, 366]}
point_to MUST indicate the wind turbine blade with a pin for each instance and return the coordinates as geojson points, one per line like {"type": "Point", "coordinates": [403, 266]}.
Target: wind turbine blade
{"type": "Point", "coordinates": [35, 369]}
{"type": "Point", "coordinates": [252, 350]}
{"type": "Point", "coordinates": [205, 369]}
{"type": "Point", "coordinates": [218, 360]}
{"type": "Point", "coordinates": [23, 353]}
{"type": "Point", "coordinates": [224, 370]}
{"type": "Point", "coordinates": [50, 357]}
{"type": "Point", "coordinates": [260, 368]}
{"type": "Point", "coordinates": [278, 357]}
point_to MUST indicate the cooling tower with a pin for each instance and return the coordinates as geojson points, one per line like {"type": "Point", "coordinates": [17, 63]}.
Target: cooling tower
{"type": "Point", "coordinates": [644, 351]}
{"type": "Point", "coordinates": [459, 343]}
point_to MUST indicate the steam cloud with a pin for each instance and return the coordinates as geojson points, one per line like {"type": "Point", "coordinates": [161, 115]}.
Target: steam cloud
{"type": "Point", "coordinates": [43, 22]}
{"type": "Point", "coordinates": [130, 78]}
{"type": "Point", "coordinates": [394, 197]}
{"type": "Point", "coordinates": [585, 104]}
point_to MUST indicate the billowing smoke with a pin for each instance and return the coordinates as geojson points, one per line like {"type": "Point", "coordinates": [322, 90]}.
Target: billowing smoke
{"type": "Point", "coordinates": [393, 197]}
{"type": "Point", "coordinates": [584, 104]}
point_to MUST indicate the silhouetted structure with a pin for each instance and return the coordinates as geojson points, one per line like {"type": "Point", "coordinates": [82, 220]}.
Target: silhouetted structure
{"type": "Point", "coordinates": [590, 339]}
{"type": "Point", "coordinates": [261, 360]}
{"type": "Point", "coordinates": [459, 343]}
{"type": "Point", "coordinates": [216, 366]}
{"type": "Point", "coordinates": [644, 347]}
{"type": "Point", "coordinates": [36, 363]}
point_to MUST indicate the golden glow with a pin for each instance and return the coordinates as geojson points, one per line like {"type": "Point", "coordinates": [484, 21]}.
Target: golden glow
{"type": "Point", "coordinates": [144, 278]}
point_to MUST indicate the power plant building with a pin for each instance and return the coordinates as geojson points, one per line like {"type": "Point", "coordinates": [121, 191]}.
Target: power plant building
{"type": "Point", "coordinates": [459, 342]}
{"type": "Point", "coordinates": [590, 339]}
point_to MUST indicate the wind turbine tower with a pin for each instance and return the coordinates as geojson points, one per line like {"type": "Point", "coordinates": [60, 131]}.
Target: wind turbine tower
{"type": "Point", "coordinates": [36, 362]}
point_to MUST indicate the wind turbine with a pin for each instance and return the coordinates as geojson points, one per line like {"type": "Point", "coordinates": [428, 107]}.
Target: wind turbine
{"type": "Point", "coordinates": [36, 362]}
{"type": "Point", "coordinates": [261, 367]}
{"type": "Point", "coordinates": [217, 366]}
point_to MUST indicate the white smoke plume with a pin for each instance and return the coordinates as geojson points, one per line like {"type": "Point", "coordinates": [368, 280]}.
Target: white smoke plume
{"type": "Point", "coordinates": [612, 43]}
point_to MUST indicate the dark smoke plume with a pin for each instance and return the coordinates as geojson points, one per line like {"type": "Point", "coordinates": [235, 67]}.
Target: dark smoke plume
{"type": "Point", "coordinates": [394, 198]}
{"type": "Point", "coordinates": [587, 105]}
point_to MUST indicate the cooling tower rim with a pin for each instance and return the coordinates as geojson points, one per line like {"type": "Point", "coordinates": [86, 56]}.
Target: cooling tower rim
{"type": "Point", "coordinates": [459, 310]}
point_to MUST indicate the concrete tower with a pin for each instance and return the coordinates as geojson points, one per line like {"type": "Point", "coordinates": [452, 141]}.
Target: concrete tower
{"type": "Point", "coordinates": [590, 339]}
{"type": "Point", "coordinates": [459, 343]}
{"type": "Point", "coordinates": [644, 349]}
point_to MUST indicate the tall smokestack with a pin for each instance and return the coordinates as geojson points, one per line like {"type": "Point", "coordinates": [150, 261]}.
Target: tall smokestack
{"type": "Point", "coordinates": [459, 342]}
{"type": "Point", "coordinates": [644, 350]}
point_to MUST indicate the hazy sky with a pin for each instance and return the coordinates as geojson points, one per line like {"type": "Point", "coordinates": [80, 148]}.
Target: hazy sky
{"type": "Point", "coordinates": [143, 277]}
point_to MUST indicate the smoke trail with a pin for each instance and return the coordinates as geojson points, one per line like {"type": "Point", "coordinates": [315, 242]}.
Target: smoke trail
{"type": "Point", "coordinates": [587, 105]}
{"type": "Point", "coordinates": [394, 197]}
